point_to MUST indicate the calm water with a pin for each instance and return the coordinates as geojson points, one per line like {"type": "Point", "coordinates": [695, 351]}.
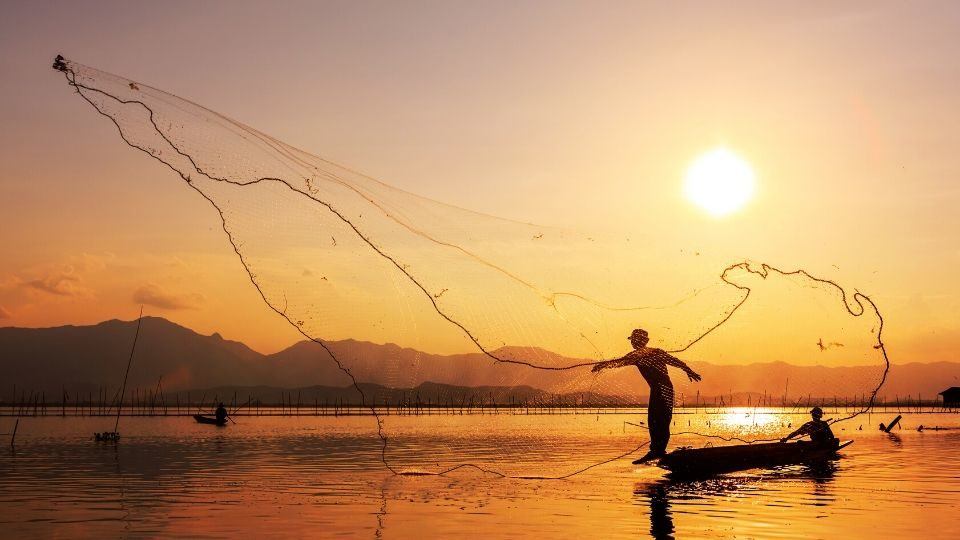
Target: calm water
{"type": "Point", "coordinates": [322, 477]}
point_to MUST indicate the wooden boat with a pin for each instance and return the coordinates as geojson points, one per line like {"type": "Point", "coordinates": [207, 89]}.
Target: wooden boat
{"type": "Point", "coordinates": [207, 419]}
{"type": "Point", "coordinates": [699, 462]}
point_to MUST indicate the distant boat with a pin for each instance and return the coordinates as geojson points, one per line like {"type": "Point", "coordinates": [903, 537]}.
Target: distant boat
{"type": "Point", "coordinates": [700, 462]}
{"type": "Point", "coordinates": [209, 419]}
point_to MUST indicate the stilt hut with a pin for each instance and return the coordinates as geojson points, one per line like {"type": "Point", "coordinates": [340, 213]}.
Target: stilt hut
{"type": "Point", "coordinates": [951, 397]}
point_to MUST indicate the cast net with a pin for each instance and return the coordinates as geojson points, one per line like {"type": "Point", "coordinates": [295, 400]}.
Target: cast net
{"type": "Point", "coordinates": [497, 324]}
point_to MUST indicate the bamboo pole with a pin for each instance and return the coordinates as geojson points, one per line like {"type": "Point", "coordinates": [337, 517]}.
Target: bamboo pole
{"type": "Point", "coordinates": [127, 373]}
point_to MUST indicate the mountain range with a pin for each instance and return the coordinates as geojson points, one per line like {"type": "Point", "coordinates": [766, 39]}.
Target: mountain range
{"type": "Point", "coordinates": [89, 359]}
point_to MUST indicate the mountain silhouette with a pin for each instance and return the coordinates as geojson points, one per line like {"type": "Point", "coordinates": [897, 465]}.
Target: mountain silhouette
{"type": "Point", "coordinates": [84, 359]}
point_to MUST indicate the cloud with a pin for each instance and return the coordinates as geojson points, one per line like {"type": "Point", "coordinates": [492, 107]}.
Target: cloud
{"type": "Point", "coordinates": [61, 282]}
{"type": "Point", "coordinates": [154, 295]}
{"type": "Point", "coordinates": [4, 314]}
{"type": "Point", "coordinates": [10, 283]}
{"type": "Point", "coordinates": [175, 262]}
{"type": "Point", "coordinates": [89, 262]}
{"type": "Point", "coordinates": [67, 279]}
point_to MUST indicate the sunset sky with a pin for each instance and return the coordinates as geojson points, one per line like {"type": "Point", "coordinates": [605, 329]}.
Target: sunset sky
{"type": "Point", "coordinates": [575, 115]}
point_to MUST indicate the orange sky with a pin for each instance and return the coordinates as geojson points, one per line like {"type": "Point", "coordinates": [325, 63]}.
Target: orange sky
{"type": "Point", "coordinates": [578, 116]}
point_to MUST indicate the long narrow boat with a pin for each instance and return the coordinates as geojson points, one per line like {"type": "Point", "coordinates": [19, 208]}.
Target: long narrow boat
{"type": "Point", "coordinates": [699, 462]}
{"type": "Point", "coordinates": [204, 419]}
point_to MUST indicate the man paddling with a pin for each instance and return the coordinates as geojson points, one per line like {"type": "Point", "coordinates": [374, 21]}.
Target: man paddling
{"type": "Point", "coordinates": [652, 364]}
{"type": "Point", "coordinates": [818, 430]}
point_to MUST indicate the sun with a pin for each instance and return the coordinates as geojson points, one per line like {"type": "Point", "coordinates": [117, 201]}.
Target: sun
{"type": "Point", "coordinates": [720, 182]}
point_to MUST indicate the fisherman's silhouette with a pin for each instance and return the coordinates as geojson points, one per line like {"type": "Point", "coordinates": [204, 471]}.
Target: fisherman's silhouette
{"type": "Point", "coordinates": [652, 364]}
{"type": "Point", "coordinates": [818, 430]}
{"type": "Point", "coordinates": [221, 413]}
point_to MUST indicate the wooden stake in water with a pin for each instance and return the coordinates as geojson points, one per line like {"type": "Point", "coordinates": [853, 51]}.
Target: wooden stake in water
{"type": "Point", "coordinates": [113, 436]}
{"type": "Point", "coordinates": [123, 387]}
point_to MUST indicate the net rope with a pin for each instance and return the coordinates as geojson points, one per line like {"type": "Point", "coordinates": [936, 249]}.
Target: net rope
{"type": "Point", "coordinates": [543, 305]}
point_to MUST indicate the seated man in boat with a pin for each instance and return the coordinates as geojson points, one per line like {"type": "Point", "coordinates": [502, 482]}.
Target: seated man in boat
{"type": "Point", "coordinates": [818, 430]}
{"type": "Point", "coordinates": [652, 364]}
{"type": "Point", "coordinates": [221, 413]}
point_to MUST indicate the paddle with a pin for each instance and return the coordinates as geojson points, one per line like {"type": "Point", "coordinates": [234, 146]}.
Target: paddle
{"type": "Point", "coordinates": [230, 416]}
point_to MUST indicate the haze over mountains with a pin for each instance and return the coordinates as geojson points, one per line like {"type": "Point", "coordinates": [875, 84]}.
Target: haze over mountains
{"type": "Point", "coordinates": [82, 359]}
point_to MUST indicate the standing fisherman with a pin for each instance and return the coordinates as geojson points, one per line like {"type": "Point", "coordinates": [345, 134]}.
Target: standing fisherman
{"type": "Point", "coordinates": [652, 364]}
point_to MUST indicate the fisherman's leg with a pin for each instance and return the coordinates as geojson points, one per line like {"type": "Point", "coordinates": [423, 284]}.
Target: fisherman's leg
{"type": "Point", "coordinates": [658, 418]}
{"type": "Point", "coordinates": [658, 425]}
{"type": "Point", "coordinates": [666, 418]}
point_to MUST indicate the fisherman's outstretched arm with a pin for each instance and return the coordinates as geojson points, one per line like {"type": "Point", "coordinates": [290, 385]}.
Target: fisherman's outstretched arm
{"type": "Point", "coordinates": [628, 360]}
{"type": "Point", "coordinates": [671, 360]}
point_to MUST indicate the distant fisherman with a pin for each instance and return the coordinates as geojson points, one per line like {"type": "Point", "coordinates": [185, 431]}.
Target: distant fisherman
{"type": "Point", "coordinates": [818, 430]}
{"type": "Point", "coordinates": [221, 413]}
{"type": "Point", "coordinates": [652, 364]}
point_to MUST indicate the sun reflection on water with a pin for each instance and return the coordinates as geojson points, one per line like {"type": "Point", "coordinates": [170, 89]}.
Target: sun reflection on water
{"type": "Point", "coordinates": [752, 417]}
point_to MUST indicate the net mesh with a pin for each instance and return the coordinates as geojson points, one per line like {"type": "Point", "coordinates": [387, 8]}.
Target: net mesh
{"type": "Point", "coordinates": [521, 312]}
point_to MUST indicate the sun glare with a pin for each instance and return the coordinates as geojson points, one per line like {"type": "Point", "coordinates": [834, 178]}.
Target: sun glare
{"type": "Point", "coordinates": [720, 182]}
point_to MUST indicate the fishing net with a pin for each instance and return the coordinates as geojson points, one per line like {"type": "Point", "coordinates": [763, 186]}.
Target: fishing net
{"type": "Point", "coordinates": [496, 323]}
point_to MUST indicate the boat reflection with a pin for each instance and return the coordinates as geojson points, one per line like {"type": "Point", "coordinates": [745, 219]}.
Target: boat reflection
{"type": "Point", "coordinates": [660, 495]}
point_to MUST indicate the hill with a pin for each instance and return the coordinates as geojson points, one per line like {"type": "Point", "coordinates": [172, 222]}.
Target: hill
{"type": "Point", "coordinates": [85, 359]}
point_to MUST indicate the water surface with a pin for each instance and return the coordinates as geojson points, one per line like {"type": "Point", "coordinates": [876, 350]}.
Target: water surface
{"type": "Point", "coordinates": [322, 476]}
